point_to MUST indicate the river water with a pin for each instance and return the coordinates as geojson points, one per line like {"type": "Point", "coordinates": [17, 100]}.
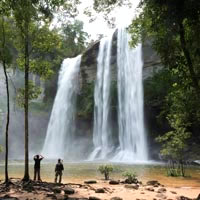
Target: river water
{"type": "Point", "coordinates": [78, 172]}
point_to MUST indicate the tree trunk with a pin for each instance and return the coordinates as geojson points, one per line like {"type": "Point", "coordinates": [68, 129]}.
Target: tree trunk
{"type": "Point", "coordinates": [7, 124]}
{"type": "Point", "coordinates": [8, 105]}
{"type": "Point", "coordinates": [188, 59]}
{"type": "Point", "coordinates": [26, 101]}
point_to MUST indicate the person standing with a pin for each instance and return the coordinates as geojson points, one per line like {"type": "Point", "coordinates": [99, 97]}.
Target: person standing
{"type": "Point", "coordinates": [58, 171]}
{"type": "Point", "coordinates": [37, 159]}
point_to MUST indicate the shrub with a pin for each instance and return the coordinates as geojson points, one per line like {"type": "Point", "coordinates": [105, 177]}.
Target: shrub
{"type": "Point", "coordinates": [131, 177]}
{"type": "Point", "coordinates": [106, 170]}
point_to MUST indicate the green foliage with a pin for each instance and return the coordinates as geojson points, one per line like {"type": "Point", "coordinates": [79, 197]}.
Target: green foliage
{"type": "Point", "coordinates": [157, 87]}
{"type": "Point", "coordinates": [74, 38]}
{"type": "Point", "coordinates": [173, 27]}
{"type": "Point", "coordinates": [106, 170]}
{"type": "Point", "coordinates": [34, 92]}
{"type": "Point", "coordinates": [130, 175]}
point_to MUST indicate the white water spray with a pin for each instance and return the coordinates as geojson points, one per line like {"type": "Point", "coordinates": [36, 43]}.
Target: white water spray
{"type": "Point", "coordinates": [60, 132]}
{"type": "Point", "coordinates": [132, 137]}
{"type": "Point", "coordinates": [102, 138]}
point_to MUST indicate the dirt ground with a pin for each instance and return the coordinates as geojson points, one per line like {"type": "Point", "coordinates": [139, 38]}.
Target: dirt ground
{"type": "Point", "coordinates": [101, 190]}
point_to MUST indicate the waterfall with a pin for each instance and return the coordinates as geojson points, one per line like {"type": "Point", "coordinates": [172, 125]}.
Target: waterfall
{"type": "Point", "coordinates": [59, 139]}
{"type": "Point", "coordinates": [102, 138]}
{"type": "Point", "coordinates": [132, 139]}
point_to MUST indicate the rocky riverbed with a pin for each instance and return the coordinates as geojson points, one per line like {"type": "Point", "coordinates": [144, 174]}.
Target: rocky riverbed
{"type": "Point", "coordinates": [96, 190]}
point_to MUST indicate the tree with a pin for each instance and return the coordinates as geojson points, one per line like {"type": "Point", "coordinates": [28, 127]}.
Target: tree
{"type": "Point", "coordinates": [173, 26]}
{"type": "Point", "coordinates": [5, 59]}
{"type": "Point", "coordinates": [74, 38]}
{"type": "Point", "coordinates": [27, 13]}
{"type": "Point", "coordinates": [106, 170]}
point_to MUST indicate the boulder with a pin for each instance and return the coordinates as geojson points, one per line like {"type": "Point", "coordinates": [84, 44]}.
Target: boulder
{"type": "Point", "coordinates": [90, 182]}
{"type": "Point", "coordinates": [68, 190]}
{"type": "Point", "coordinates": [114, 182]}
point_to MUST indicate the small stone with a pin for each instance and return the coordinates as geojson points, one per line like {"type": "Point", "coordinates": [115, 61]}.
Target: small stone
{"type": "Point", "coordinates": [100, 190]}
{"type": "Point", "coordinates": [116, 198]}
{"type": "Point", "coordinates": [90, 182]}
{"type": "Point", "coordinates": [56, 190]}
{"type": "Point", "coordinates": [68, 190]}
{"type": "Point", "coordinates": [113, 182]}
{"type": "Point", "coordinates": [183, 198]}
{"type": "Point", "coordinates": [94, 198]}
{"type": "Point", "coordinates": [51, 195]}
{"type": "Point", "coordinates": [198, 198]}
{"type": "Point", "coordinates": [161, 196]}
{"type": "Point", "coordinates": [161, 190]}
{"type": "Point", "coordinates": [153, 182]}
{"type": "Point", "coordinates": [8, 197]}
{"type": "Point", "coordinates": [76, 198]}
{"type": "Point", "coordinates": [61, 197]}
{"type": "Point", "coordinates": [150, 189]}
{"type": "Point", "coordinates": [132, 186]}
{"type": "Point", "coordinates": [173, 192]}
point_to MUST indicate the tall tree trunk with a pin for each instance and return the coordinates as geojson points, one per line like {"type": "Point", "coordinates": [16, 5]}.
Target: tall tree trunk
{"type": "Point", "coordinates": [26, 101]}
{"type": "Point", "coordinates": [7, 124]}
{"type": "Point", "coordinates": [188, 58]}
{"type": "Point", "coordinates": [8, 104]}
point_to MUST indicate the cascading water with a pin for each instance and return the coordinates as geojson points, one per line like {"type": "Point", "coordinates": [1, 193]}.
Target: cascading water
{"type": "Point", "coordinates": [60, 131]}
{"type": "Point", "coordinates": [132, 139]}
{"type": "Point", "coordinates": [102, 138]}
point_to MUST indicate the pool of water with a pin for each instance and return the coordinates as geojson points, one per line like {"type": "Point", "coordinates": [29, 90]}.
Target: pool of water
{"type": "Point", "coordinates": [78, 172]}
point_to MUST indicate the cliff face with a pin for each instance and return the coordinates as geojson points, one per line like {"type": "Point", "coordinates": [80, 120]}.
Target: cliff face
{"type": "Point", "coordinates": [89, 61]}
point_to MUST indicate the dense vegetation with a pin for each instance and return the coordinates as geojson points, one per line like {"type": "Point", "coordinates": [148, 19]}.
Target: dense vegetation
{"type": "Point", "coordinates": [174, 92]}
{"type": "Point", "coordinates": [35, 48]}
{"type": "Point", "coordinates": [173, 26]}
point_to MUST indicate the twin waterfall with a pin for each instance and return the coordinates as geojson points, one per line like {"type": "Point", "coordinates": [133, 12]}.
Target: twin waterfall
{"type": "Point", "coordinates": [128, 143]}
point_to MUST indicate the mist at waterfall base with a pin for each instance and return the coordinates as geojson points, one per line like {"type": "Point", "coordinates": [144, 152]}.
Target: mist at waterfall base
{"type": "Point", "coordinates": [126, 145]}
{"type": "Point", "coordinates": [37, 121]}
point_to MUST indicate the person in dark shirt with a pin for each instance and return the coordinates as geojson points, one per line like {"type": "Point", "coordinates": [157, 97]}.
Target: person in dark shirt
{"type": "Point", "coordinates": [37, 159]}
{"type": "Point", "coordinates": [58, 171]}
